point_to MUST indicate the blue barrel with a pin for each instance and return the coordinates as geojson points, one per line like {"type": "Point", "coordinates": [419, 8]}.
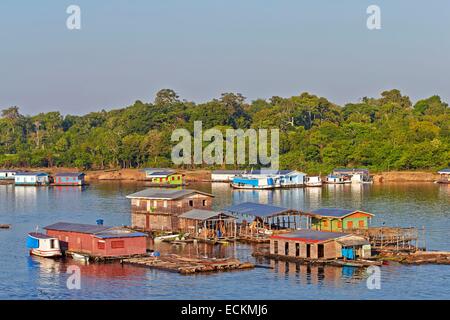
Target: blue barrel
{"type": "Point", "coordinates": [100, 222]}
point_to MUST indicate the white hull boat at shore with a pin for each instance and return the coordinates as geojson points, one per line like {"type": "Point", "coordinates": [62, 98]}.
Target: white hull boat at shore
{"type": "Point", "coordinates": [43, 245]}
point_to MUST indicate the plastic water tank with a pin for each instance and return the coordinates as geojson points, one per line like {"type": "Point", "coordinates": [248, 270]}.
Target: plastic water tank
{"type": "Point", "coordinates": [100, 222]}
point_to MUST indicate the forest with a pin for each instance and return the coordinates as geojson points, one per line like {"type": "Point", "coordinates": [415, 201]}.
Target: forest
{"type": "Point", "coordinates": [385, 133]}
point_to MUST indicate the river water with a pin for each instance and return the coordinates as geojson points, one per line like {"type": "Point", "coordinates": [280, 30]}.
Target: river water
{"type": "Point", "coordinates": [25, 208]}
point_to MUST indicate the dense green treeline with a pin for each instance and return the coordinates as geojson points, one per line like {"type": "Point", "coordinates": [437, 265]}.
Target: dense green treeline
{"type": "Point", "coordinates": [386, 133]}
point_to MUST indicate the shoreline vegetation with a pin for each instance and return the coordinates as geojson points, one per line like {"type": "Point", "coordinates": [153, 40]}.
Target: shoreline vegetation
{"type": "Point", "coordinates": [202, 175]}
{"type": "Point", "coordinates": [385, 134]}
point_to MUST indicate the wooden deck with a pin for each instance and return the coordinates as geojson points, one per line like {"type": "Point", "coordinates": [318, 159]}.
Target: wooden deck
{"type": "Point", "coordinates": [185, 265]}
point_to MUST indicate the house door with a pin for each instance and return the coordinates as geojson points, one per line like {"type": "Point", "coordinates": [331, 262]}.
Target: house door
{"type": "Point", "coordinates": [320, 251]}
{"type": "Point", "coordinates": [286, 249]}
{"type": "Point", "coordinates": [147, 222]}
{"type": "Point", "coordinates": [308, 251]}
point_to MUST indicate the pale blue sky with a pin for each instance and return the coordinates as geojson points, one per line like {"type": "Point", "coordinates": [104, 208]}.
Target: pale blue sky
{"type": "Point", "coordinates": [128, 50]}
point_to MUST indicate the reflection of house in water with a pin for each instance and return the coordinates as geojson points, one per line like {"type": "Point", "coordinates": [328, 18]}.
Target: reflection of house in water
{"type": "Point", "coordinates": [259, 196]}
{"type": "Point", "coordinates": [317, 274]}
{"type": "Point", "coordinates": [27, 196]}
{"type": "Point", "coordinates": [313, 196]}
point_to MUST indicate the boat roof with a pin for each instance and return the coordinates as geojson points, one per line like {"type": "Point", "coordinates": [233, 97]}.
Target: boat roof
{"type": "Point", "coordinates": [31, 174]}
{"type": "Point", "coordinates": [310, 235]}
{"type": "Point", "coordinates": [444, 171]}
{"type": "Point", "coordinates": [335, 212]}
{"type": "Point", "coordinates": [256, 209]}
{"type": "Point", "coordinates": [38, 235]}
{"type": "Point", "coordinates": [169, 194]}
{"type": "Point", "coordinates": [161, 173]}
{"type": "Point", "coordinates": [198, 214]}
{"type": "Point", "coordinates": [69, 174]}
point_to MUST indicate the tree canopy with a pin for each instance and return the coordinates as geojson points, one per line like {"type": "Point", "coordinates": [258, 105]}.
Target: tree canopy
{"type": "Point", "coordinates": [385, 133]}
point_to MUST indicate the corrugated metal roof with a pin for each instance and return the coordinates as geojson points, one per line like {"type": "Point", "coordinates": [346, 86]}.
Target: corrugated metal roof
{"type": "Point", "coordinates": [310, 235]}
{"type": "Point", "coordinates": [353, 241]}
{"type": "Point", "coordinates": [162, 173]}
{"type": "Point", "coordinates": [336, 213]}
{"type": "Point", "coordinates": [256, 209]}
{"type": "Point", "coordinates": [444, 171]}
{"type": "Point", "coordinates": [69, 174]}
{"type": "Point", "coordinates": [351, 170]}
{"type": "Point", "coordinates": [119, 233]}
{"type": "Point", "coordinates": [169, 194]}
{"type": "Point", "coordinates": [77, 227]}
{"type": "Point", "coordinates": [198, 214]}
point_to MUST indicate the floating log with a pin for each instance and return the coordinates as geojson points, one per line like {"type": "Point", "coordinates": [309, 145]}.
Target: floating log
{"type": "Point", "coordinates": [419, 257]}
{"type": "Point", "coordinates": [186, 265]}
{"type": "Point", "coordinates": [5, 226]}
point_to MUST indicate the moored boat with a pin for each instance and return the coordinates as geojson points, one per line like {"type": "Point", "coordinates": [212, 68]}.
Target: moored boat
{"type": "Point", "coordinates": [313, 181]}
{"type": "Point", "coordinates": [335, 180]}
{"type": "Point", "coordinates": [253, 183]}
{"type": "Point", "coordinates": [43, 245]}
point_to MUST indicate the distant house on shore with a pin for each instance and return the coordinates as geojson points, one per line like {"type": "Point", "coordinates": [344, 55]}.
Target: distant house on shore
{"type": "Point", "coordinates": [7, 174]}
{"type": "Point", "coordinates": [319, 245]}
{"type": "Point", "coordinates": [163, 177]}
{"type": "Point", "coordinates": [444, 176]}
{"type": "Point", "coordinates": [332, 219]}
{"type": "Point", "coordinates": [69, 179]}
{"type": "Point", "coordinates": [157, 209]}
{"type": "Point", "coordinates": [97, 240]}
{"type": "Point", "coordinates": [31, 179]}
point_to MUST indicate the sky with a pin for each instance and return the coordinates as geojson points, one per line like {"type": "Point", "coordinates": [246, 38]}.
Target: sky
{"type": "Point", "coordinates": [128, 50]}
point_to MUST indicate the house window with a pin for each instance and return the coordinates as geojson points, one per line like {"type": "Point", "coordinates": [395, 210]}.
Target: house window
{"type": "Point", "coordinates": [191, 203]}
{"type": "Point", "coordinates": [361, 223]}
{"type": "Point", "coordinates": [339, 224]}
{"type": "Point", "coordinates": [205, 203]}
{"type": "Point", "coordinates": [275, 247]}
{"type": "Point", "coordinates": [173, 178]}
{"type": "Point", "coordinates": [118, 244]}
{"type": "Point", "coordinates": [165, 203]}
{"type": "Point", "coordinates": [297, 249]}
{"type": "Point", "coordinates": [286, 249]}
{"type": "Point", "coordinates": [101, 245]}
{"type": "Point", "coordinates": [155, 203]}
{"type": "Point", "coordinates": [325, 223]}
{"type": "Point", "coordinates": [350, 225]}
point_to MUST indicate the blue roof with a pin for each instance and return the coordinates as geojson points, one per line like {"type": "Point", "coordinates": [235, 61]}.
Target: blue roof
{"type": "Point", "coordinates": [447, 170]}
{"type": "Point", "coordinates": [256, 209]}
{"type": "Point", "coordinates": [29, 174]}
{"type": "Point", "coordinates": [334, 212]}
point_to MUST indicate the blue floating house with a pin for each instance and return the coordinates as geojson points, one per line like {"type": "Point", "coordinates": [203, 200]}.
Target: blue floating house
{"type": "Point", "coordinates": [31, 179]}
{"type": "Point", "coordinates": [253, 182]}
{"type": "Point", "coordinates": [69, 179]}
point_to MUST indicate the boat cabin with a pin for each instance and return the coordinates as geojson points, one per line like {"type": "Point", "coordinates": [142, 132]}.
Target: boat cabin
{"type": "Point", "coordinates": [332, 179]}
{"type": "Point", "coordinates": [444, 176]}
{"type": "Point", "coordinates": [319, 245]}
{"type": "Point", "coordinates": [43, 245]}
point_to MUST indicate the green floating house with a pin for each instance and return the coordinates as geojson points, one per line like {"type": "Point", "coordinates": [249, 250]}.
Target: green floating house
{"type": "Point", "coordinates": [163, 177]}
{"type": "Point", "coordinates": [338, 220]}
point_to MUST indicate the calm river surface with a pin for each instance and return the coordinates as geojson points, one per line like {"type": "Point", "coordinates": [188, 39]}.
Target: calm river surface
{"type": "Point", "coordinates": [25, 277]}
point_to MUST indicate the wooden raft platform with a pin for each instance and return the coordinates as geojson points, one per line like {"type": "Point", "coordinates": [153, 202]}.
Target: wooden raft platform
{"type": "Point", "coordinates": [185, 265]}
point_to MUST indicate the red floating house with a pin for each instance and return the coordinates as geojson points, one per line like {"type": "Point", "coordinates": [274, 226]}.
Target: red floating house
{"type": "Point", "coordinates": [98, 241]}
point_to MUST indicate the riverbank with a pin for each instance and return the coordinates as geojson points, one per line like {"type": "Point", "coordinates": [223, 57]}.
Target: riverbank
{"type": "Point", "coordinates": [202, 175]}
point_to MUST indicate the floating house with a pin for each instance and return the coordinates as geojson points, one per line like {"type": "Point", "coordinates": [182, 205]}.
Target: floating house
{"type": "Point", "coordinates": [353, 175]}
{"type": "Point", "coordinates": [164, 177]}
{"type": "Point", "coordinates": [158, 209]}
{"type": "Point", "coordinates": [444, 176]}
{"type": "Point", "coordinates": [7, 174]}
{"type": "Point", "coordinates": [291, 179]}
{"type": "Point", "coordinates": [319, 245]}
{"type": "Point", "coordinates": [225, 175]}
{"type": "Point", "coordinates": [69, 179]}
{"type": "Point", "coordinates": [31, 179]}
{"type": "Point", "coordinates": [331, 219]}
{"type": "Point", "coordinates": [208, 225]}
{"type": "Point", "coordinates": [98, 241]}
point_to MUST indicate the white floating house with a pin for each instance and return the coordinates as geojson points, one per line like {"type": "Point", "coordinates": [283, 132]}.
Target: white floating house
{"type": "Point", "coordinates": [31, 179]}
{"type": "Point", "coordinates": [444, 176]}
{"type": "Point", "coordinates": [289, 179]}
{"type": "Point", "coordinates": [7, 174]}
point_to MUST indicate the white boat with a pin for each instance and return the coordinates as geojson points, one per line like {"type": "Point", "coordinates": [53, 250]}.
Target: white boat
{"type": "Point", "coordinates": [43, 245]}
{"type": "Point", "coordinates": [167, 237]}
{"type": "Point", "coordinates": [253, 182]}
{"type": "Point", "coordinates": [313, 181]}
{"type": "Point", "coordinates": [81, 257]}
{"type": "Point", "coordinates": [335, 180]}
